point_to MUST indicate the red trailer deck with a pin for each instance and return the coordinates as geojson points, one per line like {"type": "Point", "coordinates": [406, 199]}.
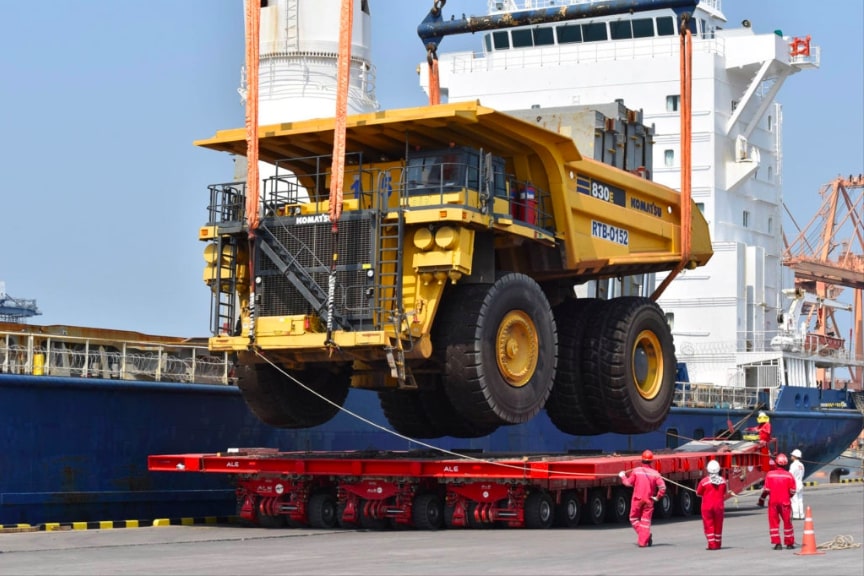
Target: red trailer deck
{"type": "Point", "coordinates": [380, 489]}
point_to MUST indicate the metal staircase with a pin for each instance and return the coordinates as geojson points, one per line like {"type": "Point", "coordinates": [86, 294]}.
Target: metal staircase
{"type": "Point", "coordinates": [288, 266]}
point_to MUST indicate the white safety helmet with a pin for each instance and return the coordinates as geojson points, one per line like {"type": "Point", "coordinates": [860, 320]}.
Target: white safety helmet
{"type": "Point", "coordinates": [796, 453]}
{"type": "Point", "coordinates": [713, 467]}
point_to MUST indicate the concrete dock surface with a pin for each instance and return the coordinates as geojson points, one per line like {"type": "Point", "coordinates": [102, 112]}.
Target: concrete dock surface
{"type": "Point", "coordinates": [679, 547]}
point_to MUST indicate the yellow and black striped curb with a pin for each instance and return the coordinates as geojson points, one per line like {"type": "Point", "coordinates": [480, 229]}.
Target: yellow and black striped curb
{"type": "Point", "coordinates": [115, 524]}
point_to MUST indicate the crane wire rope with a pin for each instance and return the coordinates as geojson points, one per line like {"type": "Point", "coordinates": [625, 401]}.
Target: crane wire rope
{"type": "Point", "coordinates": [460, 456]}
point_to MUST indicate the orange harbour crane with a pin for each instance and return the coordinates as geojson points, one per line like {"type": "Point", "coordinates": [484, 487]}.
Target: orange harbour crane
{"type": "Point", "coordinates": [827, 257]}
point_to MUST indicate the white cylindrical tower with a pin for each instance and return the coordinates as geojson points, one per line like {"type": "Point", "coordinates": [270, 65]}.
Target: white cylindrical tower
{"type": "Point", "coordinates": [299, 50]}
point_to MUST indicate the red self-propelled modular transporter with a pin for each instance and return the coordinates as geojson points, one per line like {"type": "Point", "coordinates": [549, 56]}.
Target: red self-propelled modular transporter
{"type": "Point", "coordinates": [417, 489]}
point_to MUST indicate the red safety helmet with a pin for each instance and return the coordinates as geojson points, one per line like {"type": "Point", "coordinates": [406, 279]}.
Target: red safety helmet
{"type": "Point", "coordinates": [782, 460]}
{"type": "Point", "coordinates": [647, 456]}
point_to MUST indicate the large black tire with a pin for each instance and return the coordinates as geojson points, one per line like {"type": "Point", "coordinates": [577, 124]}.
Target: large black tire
{"type": "Point", "coordinates": [569, 406]}
{"type": "Point", "coordinates": [441, 412]}
{"type": "Point", "coordinates": [279, 401]}
{"type": "Point", "coordinates": [663, 507]}
{"type": "Point", "coordinates": [568, 512]}
{"type": "Point", "coordinates": [539, 510]}
{"type": "Point", "coordinates": [499, 347]}
{"type": "Point", "coordinates": [618, 508]}
{"type": "Point", "coordinates": [322, 510]}
{"type": "Point", "coordinates": [630, 360]}
{"type": "Point", "coordinates": [684, 502]}
{"type": "Point", "coordinates": [405, 412]}
{"type": "Point", "coordinates": [595, 508]}
{"type": "Point", "coordinates": [428, 413]}
{"type": "Point", "coordinates": [427, 512]}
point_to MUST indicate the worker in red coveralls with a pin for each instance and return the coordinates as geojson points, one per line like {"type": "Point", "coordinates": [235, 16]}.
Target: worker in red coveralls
{"type": "Point", "coordinates": [779, 488]}
{"type": "Point", "coordinates": [648, 487]}
{"type": "Point", "coordinates": [712, 490]}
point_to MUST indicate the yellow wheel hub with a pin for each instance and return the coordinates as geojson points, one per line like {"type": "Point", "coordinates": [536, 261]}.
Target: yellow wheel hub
{"type": "Point", "coordinates": [516, 348]}
{"type": "Point", "coordinates": [647, 363]}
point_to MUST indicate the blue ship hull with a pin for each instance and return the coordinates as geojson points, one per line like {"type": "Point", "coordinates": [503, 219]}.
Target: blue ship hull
{"type": "Point", "coordinates": [75, 449]}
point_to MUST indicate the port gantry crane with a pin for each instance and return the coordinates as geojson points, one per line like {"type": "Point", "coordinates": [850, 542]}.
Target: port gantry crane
{"type": "Point", "coordinates": [827, 257]}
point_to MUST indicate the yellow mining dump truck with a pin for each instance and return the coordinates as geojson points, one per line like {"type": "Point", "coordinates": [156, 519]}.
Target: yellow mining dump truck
{"type": "Point", "coordinates": [449, 286]}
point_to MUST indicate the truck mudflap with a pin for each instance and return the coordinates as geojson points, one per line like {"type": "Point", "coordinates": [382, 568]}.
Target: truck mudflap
{"type": "Point", "coordinates": [380, 490]}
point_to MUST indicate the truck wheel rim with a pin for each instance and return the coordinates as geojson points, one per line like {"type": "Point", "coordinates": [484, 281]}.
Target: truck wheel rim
{"type": "Point", "coordinates": [647, 363]}
{"type": "Point", "coordinates": [516, 346]}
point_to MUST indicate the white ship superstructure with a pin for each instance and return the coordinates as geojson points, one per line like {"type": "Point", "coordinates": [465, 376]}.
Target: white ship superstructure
{"type": "Point", "coordinates": [732, 304]}
{"type": "Point", "coordinates": [298, 55]}
{"type": "Point", "coordinates": [299, 50]}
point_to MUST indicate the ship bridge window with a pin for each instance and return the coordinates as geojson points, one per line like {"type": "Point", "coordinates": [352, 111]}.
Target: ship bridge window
{"type": "Point", "coordinates": [595, 32]}
{"type": "Point", "coordinates": [501, 40]}
{"type": "Point", "coordinates": [620, 30]}
{"type": "Point", "coordinates": [544, 36]}
{"type": "Point", "coordinates": [522, 38]}
{"type": "Point", "coordinates": [624, 29]}
{"type": "Point", "coordinates": [665, 26]}
{"type": "Point", "coordinates": [693, 27]}
{"type": "Point", "coordinates": [643, 28]}
{"type": "Point", "coordinates": [569, 34]}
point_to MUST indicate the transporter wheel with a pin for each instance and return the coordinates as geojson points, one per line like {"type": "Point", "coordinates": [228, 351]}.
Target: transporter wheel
{"type": "Point", "coordinates": [279, 401]}
{"type": "Point", "coordinates": [427, 512]}
{"type": "Point", "coordinates": [569, 407]}
{"type": "Point", "coordinates": [499, 348]}
{"type": "Point", "coordinates": [568, 512]}
{"type": "Point", "coordinates": [322, 510]}
{"type": "Point", "coordinates": [618, 509]}
{"type": "Point", "coordinates": [663, 507]}
{"type": "Point", "coordinates": [539, 510]}
{"type": "Point", "coordinates": [631, 361]}
{"type": "Point", "coordinates": [595, 508]}
{"type": "Point", "coordinates": [685, 502]}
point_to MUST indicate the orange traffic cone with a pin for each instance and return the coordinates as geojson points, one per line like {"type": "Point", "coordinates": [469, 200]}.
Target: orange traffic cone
{"type": "Point", "coordinates": [809, 542]}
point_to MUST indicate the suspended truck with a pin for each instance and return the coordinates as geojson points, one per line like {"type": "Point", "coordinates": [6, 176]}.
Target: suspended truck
{"type": "Point", "coordinates": [447, 285]}
{"type": "Point", "coordinates": [441, 272]}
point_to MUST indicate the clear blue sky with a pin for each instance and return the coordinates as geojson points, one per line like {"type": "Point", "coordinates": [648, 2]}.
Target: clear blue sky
{"type": "Point", "coordinates": [103, 191]}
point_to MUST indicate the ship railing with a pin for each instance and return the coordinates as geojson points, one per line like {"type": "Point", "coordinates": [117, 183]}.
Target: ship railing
{"type": "Point", "coordinates": [707, 395]}
{"type": "Point", "coordinates": [576, 53]}
{"type": "Point", "coordinates": [819, 348]}
{"type": "Point", "coordinates": [495, 6]}
{"type": "Point", "coordinates": [68, 356]}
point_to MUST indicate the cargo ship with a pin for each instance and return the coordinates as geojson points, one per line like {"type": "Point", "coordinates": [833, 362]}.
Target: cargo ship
{"type": "Point", "coordinates": [83, 408]}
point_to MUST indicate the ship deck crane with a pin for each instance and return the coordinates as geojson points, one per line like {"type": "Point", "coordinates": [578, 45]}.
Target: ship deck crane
{"type": "Point", "coordinates": [15, 309]}
{"type": "Point", "coordinates": [828, 256]}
